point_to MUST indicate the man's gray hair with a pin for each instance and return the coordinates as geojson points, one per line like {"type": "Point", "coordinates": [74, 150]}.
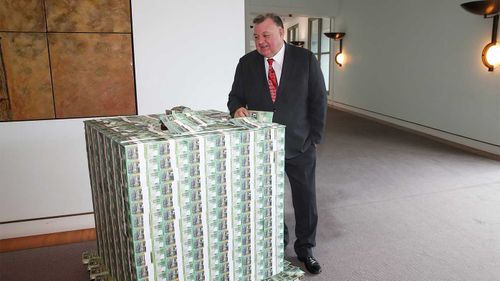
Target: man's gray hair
{"type": "Point", "coordinates": [274, 17]}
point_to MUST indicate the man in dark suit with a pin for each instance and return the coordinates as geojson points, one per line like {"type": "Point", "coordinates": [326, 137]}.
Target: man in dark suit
{"type": "Point", "coordinates": [287, 81]}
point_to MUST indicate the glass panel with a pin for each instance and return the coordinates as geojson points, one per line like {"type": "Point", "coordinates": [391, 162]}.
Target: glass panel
{"type": "Point", "coordinates": [325, 68]}
{"type": "Point", "coordinates": [314, 36]}
{"type": "Point", "coordinates": [325, 41]}
{"type": "Point", "coordinates": [292, 33]}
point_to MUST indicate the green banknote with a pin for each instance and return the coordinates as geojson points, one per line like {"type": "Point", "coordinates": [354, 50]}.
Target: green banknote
{"type": "Point", "coordinates": [262, 116]}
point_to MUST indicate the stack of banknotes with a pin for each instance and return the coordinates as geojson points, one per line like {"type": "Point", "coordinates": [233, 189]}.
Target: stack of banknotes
{"type": "Point", "coordinates": [202, 200]}
{"type": "Point", "coordinates": [262, 116]}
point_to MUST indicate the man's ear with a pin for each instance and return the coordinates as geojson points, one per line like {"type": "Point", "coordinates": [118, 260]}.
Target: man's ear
{"type": "Point", "coordinates": [282, 32]}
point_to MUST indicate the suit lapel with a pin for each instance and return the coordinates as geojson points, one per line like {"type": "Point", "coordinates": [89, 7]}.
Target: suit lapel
{"type": "Point", "coordinates": [288, 64]}
{"type": "Point", "coordinates": [261, 73]}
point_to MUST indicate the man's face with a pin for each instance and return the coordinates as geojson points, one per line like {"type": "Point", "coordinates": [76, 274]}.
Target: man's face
{"type": "Point", "coordinates": [268, 38]}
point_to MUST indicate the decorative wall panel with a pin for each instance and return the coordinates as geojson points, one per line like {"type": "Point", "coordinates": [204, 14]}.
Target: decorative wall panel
{"type": "Point", "coordinates": [27, 75]}
{"type": "Point", "coordinates": [82, 66]}
{"type": "Point", "coordinates": [88, 16]}
{"type": "Point", "coordinates": [22, 15]}
{"type": "Point", "coordinates": [5, 112]}
{"type": "Point", "coordinates": [92, 74]}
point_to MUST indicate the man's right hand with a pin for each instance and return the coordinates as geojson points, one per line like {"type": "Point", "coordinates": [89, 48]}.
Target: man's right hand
{"type": "Point", "coordinates": [241, 112]}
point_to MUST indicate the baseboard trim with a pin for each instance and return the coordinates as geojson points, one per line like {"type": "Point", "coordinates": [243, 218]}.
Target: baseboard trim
{"type": "Point", "coordinates": [40, 226]}
{"type": "Point", "coordinates": [424, 131]}
{"type": "Point", "coordinates": [44, 240]}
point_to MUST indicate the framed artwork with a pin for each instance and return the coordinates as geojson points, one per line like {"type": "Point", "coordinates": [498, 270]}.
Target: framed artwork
{"type": "Point", "coordinates": [65, 59]}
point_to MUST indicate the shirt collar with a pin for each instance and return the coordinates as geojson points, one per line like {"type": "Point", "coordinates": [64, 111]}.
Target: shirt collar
{"type": "Point", "coordinates": [280, 56]}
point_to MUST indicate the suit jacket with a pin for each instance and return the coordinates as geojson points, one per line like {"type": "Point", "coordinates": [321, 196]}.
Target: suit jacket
{"type": "Point", "coordinates": [301, 98]}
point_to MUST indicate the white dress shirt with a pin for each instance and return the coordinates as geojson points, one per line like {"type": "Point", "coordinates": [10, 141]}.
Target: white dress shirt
{"type": "Point", "coordinates": [277, 64]}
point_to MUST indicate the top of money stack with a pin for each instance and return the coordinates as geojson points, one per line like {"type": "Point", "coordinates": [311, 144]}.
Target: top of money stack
{"type": "Point", "coordinates": [179, 122]}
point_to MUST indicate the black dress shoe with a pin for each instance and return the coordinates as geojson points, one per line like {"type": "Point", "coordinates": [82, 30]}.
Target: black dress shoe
{"type": "Point", "coordinates": [311, 263]}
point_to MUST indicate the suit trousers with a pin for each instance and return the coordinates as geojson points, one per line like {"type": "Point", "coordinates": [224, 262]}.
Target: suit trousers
{"type": "Point", "coordinates": [301, 172]}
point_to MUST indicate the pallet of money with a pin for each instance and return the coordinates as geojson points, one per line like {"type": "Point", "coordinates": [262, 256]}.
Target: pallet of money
{"type": "Point", "coordinates": [188, 195]}
{"type": "Point", "coordinates": [95, 266]}
{"type": "Point", "coordinates": [99, 272]}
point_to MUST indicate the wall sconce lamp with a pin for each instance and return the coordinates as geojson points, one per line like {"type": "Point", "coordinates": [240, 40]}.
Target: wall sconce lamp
{"type": "Point", "coordinates": [339, 57]}
{"type": "Point", "coordinates": [488, 9]}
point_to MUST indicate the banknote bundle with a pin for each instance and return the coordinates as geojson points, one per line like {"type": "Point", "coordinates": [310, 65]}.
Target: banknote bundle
{"type": "Point", "coordinates": [262, 116]}
{"type": "Point", "coordinates": [202, 200]}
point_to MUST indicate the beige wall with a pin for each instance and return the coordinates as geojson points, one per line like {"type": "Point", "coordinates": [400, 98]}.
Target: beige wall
{"type": "Point", "coordinates": [418, 64]}
{"type": "Point", "coordinates": [185, 53]}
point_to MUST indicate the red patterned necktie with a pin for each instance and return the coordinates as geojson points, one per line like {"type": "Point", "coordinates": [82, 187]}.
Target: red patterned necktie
{"type": "Point", "coordinates": [271, 80]}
